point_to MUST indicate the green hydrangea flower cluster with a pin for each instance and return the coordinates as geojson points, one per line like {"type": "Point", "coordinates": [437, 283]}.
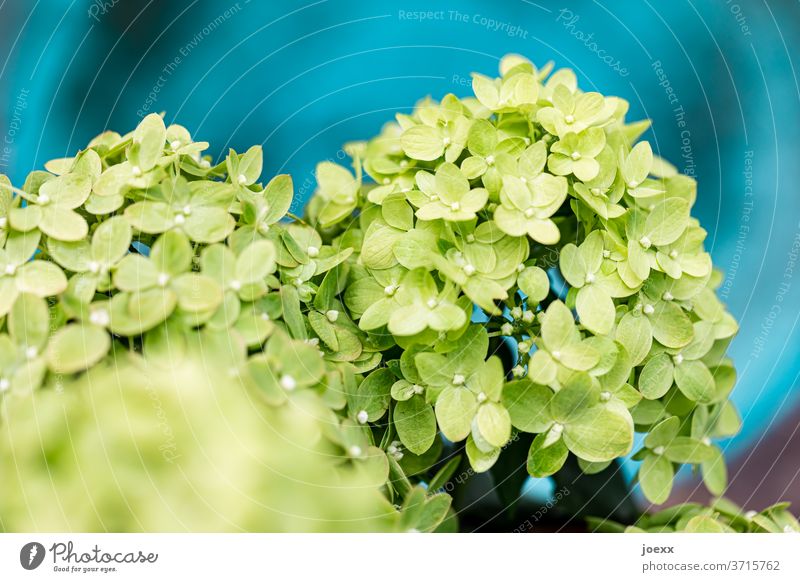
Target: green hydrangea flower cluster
{"type": "Point", "coordinates": [528, 216]}
{"type": "Point", "coordinates": [535, 202]}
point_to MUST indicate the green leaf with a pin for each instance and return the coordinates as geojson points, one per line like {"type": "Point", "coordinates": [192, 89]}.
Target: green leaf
{"type": "Point", "coordinates": [148, 142]}
{"type": "Point", "coordinates": [77, 347]}
{"type": "Point", "coordinates": [577, 395]}
{"type": "Point", "coordinates": [655, 477]}
{"type": "Point", "coordinates": [637, 164]}
{"type": "Point", "coordinates": [415, 423]}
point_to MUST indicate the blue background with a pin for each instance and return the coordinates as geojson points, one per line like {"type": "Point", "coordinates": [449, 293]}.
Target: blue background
{"type": "Point", "coordinates": [302, 78]}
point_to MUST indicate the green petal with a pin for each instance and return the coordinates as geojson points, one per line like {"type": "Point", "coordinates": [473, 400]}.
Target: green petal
{"type": "Point", "coordinates": [595, 309]}
{"type": "Point", "coordinates": [41, 278]}
{"type": "Point", "coordinates": [455, 409]}
{"type": "Point", "coordinates": [695, 381]}
{"type": "Point", "coordinates": [655, 477]}
{"type": "Point", "coordinates": [528, 405]}
{"type": "Point", "coordinates": [544, 461]}
{"type": "Point", "coordinates": [77, 347]}
{"type": "Point", "coordinates": [600, 434]}
{"type": "Point", "coordinates": [422, 143]}
{"type": "Point", "coordinates": [415, 422]}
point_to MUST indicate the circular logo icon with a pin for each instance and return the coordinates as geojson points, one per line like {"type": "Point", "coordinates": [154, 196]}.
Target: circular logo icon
{"type": "Point", "coordinates": [31, 555]}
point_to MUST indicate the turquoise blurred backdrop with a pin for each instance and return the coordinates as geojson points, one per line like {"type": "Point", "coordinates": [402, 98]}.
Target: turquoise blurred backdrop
{"type": "Point", "coordinates": [717, 77]}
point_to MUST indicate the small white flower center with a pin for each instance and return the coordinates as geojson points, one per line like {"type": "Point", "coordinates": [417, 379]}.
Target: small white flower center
{"type": "Point", "coordinates": [645, 242]}
{"type": "Point", "coordinates": [431, 303]}
{"type": "Point", "coordinates": [482, 397]}
{"type": "Point", "coordinates": [470, 238]}
{"type": "Point", "coordinates": [386, 181]}
{"type": "Point", "coordinates": [659, 450]}
{"type": "Point", "coordinates": [556, 355]}
{"type": "Point", "coordinates": [31, 352]}
{"type": "Point", "coordinates": [575, 156]}
{"type": "Point", "coordinates": [94, 267]}
{"type": "Point", "coordinates": [557, 428]}
{"type": "Point", "coordinates": [458, 379]}
{"type": "Point", "coordinates": [706, 440]}
{"type": "Point", "coordinates": [389, 290]}
{"type": "Point", "coordinates": [175, 144]}
{"type": "Point", "coordinates": [434, 197]}
{"type": "Point", "coordinates": [187, 210]}
{"type": "Point", "coordinates": [313, 252]}
{"type": "Point", "coordinates": [180, 219]}
{"type": "Point", "coordinates": [3, 221]}
{"type": "Point", "coordinates": [10, 269]}
{"type": "Point", "coordinates": [362, 416]}
{"type": "Point", "coordinates": [590, 278]}
{"type": "Point", "coordinates": [524, 347]}
{"type": "Point", "coordinates": [265, 317]}
{"type": "Point", "coordinates": [489, 160]}
{"type": "Point", "coordinates": [507, 329]}
{"type": "Point", "coordinates": [606, 253]}
{"type": "Point", "coordinates": [529, 212]}
{"type": "Point", "coordinates": [162, 279]}
{"type": "Point", "coordinates": [667, 296]}
{"type": "Point", "coordinates": [354, 451]}
{"type": "Point", "coordinates": [235, 285]}
{"type": "Point", "coordinates": [298, 281]}
{"type": "Point", "coordinates": [332, 315]}
{"type": "Point", "coordinates": [100, 317]}
{"type": "Point", "coordinates": [518, 371]}
{"type": "Point", "coordinates": [446, 141]}
{"type": "Point", "coordinates": [569, 118]}
{"type": "Point", "coordinates": [605, 396]}
{"type": "Point", "coordinates": [524, 180]}
{"type": "Point", "coordinates": [455, 206]}
{"type": "Point", "coordinates": [417, 389]}
{"type": "Point", "coordinates": [205, 163]}
{"type": "Point", "coordinates": [136, 171]}
{"type": "Point", "coordinates": [520, 267]}
{"type": "Point", "coordinates": [288, 382]}
{"type": "Point", "coordinates": [678, 359]}
{"type": "Point", "coordinates": [673, 254]}
{"type": "Point", "coordinates": [516, 312]}
{"type": "Point", "coordinates": [648, 309]}
{"type": "Point", "coordinates": [5, 384]}
{"type": "Point", "coordinates": [242, 179]}
{"type": "Point", "coordinates": [468, 269]}
{"type": "Point", "coordinates": [43, 199]}
{"type": "Point", "coordinates": [596, 191]}
{"type": "Point", "coordinates": [528, 315]}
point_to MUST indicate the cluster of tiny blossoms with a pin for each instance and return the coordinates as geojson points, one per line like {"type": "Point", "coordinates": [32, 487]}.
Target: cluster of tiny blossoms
{"type": "Point", "coordinates": [532, 212]}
